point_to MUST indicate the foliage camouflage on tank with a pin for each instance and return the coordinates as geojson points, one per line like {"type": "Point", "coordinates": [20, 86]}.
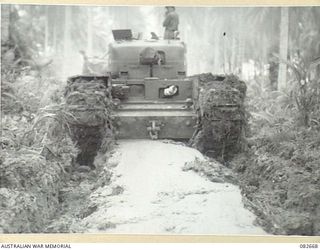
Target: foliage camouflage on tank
{"type": "Point", "coordinates": [221, 115]}
{"type": "Point", "coordinates": [89, 100]}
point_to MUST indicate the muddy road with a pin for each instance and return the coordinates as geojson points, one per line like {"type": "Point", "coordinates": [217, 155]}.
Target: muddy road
{"type": "Point", "coordinates": [150, 193]}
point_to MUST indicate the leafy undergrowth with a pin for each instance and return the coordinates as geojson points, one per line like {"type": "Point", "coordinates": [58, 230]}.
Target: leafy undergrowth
{"type": "Point", "coordinates": [280, 178]}
{"type": "Point", "coordinates": [36, 156]}
{"type": "Point", "coordinates": [279, 173]}
{"type": "Point", "coordinates": [211, 169]}
{"type": "Point", "coordinates": [41, 181]}
{"type": "Point", "coordinates": [29, 191]}
{"type": "Point", "coordinates": [74, 197]}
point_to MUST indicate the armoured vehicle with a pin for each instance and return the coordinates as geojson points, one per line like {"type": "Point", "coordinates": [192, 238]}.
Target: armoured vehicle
{"type": "Point", "coordinates": [158, 98]}
{"type": "Point", "coordinates": [152, 96]}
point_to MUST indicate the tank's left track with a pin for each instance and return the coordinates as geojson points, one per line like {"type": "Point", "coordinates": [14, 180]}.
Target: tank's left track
{"type": "Point", "coordinates": [222, 118]}
{"type": "Point", "coordinates": [88, 100]}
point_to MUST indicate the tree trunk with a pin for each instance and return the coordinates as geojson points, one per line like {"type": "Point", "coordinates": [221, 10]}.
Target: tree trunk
{"type": "Point", "coordinates": [66, 39]}
{"type": "Point", "coordinates": [89, 33]}
{"type": "Point", "coordinates": [46, 31]}
{"type": "Point", "coordinates": [205, 65]}
{"type": "Point", "coordinates": [264, 55]}
{"type": "Point", "coordinates": [225, 58]}
{"type": "Point", "coordinates": [241, 43]}
{"type": "Point", "coordinates": [5, 23]}
{"type": "Point", "coordinates": [283, 47]}
{"type": "Point", "coordinates": [233, 55]}
{"type": "Point", "coordinates": [233, 47]}
{"type": "Point", "coordinates": [57, 21]}
{"type": "Point", "coordinates": [216, 57]}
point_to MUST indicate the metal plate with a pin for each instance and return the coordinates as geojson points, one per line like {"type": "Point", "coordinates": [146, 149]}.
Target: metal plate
{"type": "Point", "coordinates": [124, 34]}
{"type": "Point", "coordinates": [173, 124]}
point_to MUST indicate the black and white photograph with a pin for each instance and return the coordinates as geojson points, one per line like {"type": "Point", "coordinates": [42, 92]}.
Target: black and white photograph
{"type": "Point", "coordinates": [160, 120]}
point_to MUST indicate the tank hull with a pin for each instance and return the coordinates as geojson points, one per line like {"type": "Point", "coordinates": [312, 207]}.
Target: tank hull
{"type": "Point", "coordinates": [138, 120]}
{"type": "Point", "coordinates": [143, 110]}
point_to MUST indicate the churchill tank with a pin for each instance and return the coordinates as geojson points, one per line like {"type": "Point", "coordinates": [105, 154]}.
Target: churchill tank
{"type": "Point", "coordinates": [140, 89]}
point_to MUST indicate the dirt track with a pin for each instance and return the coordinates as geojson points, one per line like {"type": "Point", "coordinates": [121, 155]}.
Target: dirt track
{"type": "Point", "coordinates": [151, 194]}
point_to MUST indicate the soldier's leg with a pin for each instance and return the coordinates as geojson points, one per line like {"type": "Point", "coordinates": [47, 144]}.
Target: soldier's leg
{"type": "Point", "coordinates": [166, 34]}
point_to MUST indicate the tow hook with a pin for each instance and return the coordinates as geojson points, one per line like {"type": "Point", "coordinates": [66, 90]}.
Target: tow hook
{"type": "Point", "coordinates": [153, 130]}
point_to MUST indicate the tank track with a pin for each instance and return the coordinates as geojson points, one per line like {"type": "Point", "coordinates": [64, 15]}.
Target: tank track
{"type": "Point", "coordinates": [221, 115]}
{"type": "Point", "coordinates": [89, 102]}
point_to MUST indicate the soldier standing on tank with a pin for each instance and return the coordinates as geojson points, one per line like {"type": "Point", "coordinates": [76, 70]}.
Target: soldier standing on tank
{"type": "Point", "coordinates": [170, 23]}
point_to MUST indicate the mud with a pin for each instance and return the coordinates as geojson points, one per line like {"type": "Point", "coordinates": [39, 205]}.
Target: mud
{"type": "Point", "coordinates": [74, 204]}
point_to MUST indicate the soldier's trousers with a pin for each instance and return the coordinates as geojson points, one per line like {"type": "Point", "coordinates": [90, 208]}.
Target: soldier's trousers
{"type": "Point", "coordinates": [168, 34]}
